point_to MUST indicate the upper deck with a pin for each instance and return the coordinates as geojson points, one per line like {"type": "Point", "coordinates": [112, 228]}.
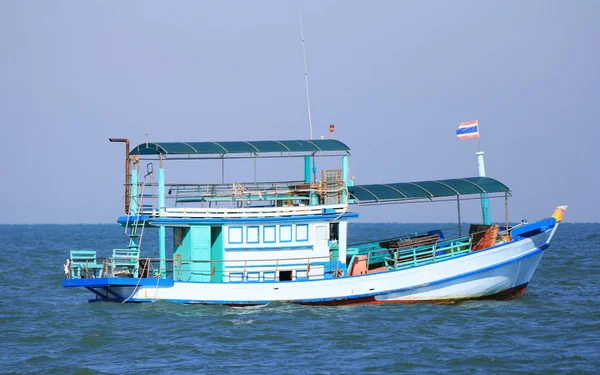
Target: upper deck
{"type": "Point", "coordinates": [150, 195]}
{"type": "Point", "coordinates": [326, 193]}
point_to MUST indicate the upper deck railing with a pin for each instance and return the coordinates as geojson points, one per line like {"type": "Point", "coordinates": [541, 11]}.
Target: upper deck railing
{"type": "Point", "coordinates": [228, 198]}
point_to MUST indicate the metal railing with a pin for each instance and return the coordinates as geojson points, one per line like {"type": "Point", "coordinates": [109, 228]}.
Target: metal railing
{"type": "Point", "coordinates": [284, 193]}
{"type": "Point", "coordinates": [127, 264]}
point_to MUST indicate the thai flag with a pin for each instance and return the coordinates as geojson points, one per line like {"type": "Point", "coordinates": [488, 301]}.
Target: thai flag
{"type": "Point", "coordinates": [466, 130]}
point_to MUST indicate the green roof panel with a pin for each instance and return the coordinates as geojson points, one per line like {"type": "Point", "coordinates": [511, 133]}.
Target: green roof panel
{"type": "Point", "coordinates": [239, 147]}
{"type": "Point", "coordinates": [403, 191]}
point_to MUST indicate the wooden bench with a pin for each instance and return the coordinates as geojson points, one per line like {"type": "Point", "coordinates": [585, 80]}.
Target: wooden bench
{"type": "Point", "coordinates": [413, 242]}
{"type": "Point", "coordinates": [83, 264]}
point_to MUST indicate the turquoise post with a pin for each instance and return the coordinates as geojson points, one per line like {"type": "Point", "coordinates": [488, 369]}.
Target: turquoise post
{"type": "Point", "coordinates": [161, 230]}
{"type": "Point", "coordinates": [133, 207]}
{"type": "Point", "coordinates": [485, 204]}
{"type": "Point", "coordinates": [307, 169]}
{"type": "Point", "coordinates": [345, 179]}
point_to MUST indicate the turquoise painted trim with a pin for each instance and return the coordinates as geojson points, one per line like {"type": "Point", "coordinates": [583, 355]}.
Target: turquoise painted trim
{"type": "Point", "coordinates": [485, 209]}
{"type": "Point", "coordinates": [344, 179]}
{"type": "Point", "coordinates": [194, 221]}
{"type": "Point", "coordinates": [281, 227]}
{"type": "Point", "coordinates": [133, 206]}
{"type": "Point", "coordinates": [257, 234]}
{"type": "Point", "coordinates": [307, 235]}
{"type": "Point", "coordinates": [307, 169]}
{"type": "Point", "coordinates": [241, 235]}
{"type": "Point", "coordinates": [274, 227]}
{"type": "Point", "coordinates": [280, 248]}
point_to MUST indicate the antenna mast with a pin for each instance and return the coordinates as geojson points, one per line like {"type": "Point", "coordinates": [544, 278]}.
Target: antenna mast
{"type": "Point", "coordinates": [305, 75]}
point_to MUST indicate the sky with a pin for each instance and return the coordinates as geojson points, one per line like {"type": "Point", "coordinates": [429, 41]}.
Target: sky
{"type": "Point", "coordinates": [395, 77]}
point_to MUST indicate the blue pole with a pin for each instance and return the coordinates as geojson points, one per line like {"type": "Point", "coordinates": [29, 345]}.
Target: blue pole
{"type": "Point", "coordinates": [133, 207]}
{"type": "Point", "coordinates": [161, 229]}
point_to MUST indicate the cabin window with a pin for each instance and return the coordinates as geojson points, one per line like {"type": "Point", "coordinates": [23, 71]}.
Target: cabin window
{"type": "Point", "coordinates": [236, 276]}
{"type": "Point", "coordinates": [236, 236]}
{"type": "Point", "coordinates": [334, 231]}
{"type": "Point", "coordinates": [285, 275]}
{"type": "Point", "coordinates": [177, 236]}
{"type": "Point", "coordinates": [269, 234]}
{"type": "Point", "coordinates": [322, 233]}
{"type": "Point", "coordinates": [302, 232]}
{"type": "Point", "coordinates": [252, 235]}
{"type": "Point", "coordinates": [285, 233]}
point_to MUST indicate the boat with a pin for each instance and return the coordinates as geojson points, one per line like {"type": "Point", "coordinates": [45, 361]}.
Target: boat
{"type": "Point", "coordinates": [249, 243]}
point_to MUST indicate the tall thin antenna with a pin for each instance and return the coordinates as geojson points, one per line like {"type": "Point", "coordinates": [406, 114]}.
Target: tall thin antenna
{"type": "Point", "coordinates": [305, 76]}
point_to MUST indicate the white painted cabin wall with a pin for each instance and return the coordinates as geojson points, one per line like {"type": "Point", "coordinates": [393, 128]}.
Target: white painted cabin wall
{"type": "Point", "coordinates": [236, 254]}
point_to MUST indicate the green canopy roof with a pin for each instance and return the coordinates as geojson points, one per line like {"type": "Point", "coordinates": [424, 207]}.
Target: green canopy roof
{"type": "Point", "coordinates": [402, 191]}
{"type": "Point", "coordinates": [238, 147]}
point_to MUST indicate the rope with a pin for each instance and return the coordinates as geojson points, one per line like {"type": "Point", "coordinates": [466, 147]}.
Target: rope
{"type": "Point", "coordinates": [138, 282]}
{"type": "Point", "coordinates": [155, 298]}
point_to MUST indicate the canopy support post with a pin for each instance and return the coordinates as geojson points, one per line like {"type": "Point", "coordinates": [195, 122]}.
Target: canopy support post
{"type": "Point", "coordinates": [345, 179]}
{"type": "Point", "coordinates": [307, 169]}
{"type": "Point", "coordinates": [458, 210]}
{"type": "Point", "coordinates": [161, 229]}
{"type": "Point", "coordinates": [133, 206]}
{"type": "Point", "coordinates": [222, 171]}
{"type": "Point", "coordinates": [506, 211]}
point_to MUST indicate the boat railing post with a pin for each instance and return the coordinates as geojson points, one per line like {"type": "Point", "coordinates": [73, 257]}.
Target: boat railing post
{"type": "Point", "coordinates": [244, 277]}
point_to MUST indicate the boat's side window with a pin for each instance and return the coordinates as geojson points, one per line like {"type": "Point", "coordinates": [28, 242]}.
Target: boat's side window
{"type": "Point", "coordinates": [334, 231]}
{"type": "Point", "coordinates": [285, 275]}
{"type": "Point", "coordinates": [177, 236]}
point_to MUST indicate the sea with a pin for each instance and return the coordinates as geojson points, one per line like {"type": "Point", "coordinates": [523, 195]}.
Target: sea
{"type": "Point", "coordinates": [554, 328]}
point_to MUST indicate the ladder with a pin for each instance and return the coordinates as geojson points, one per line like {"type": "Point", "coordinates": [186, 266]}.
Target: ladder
{"type": "Point", "coordinates": [135, 229]}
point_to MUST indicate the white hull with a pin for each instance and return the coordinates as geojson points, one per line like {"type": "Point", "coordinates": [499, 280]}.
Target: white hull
{"type": "Point", "coordinates": [505, 268]}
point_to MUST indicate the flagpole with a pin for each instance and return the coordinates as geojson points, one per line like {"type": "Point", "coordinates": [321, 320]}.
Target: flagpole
{"type": "Point", "coordinates": [485, 204]}
{"type": "Point", "coordinates": [467, 130]}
